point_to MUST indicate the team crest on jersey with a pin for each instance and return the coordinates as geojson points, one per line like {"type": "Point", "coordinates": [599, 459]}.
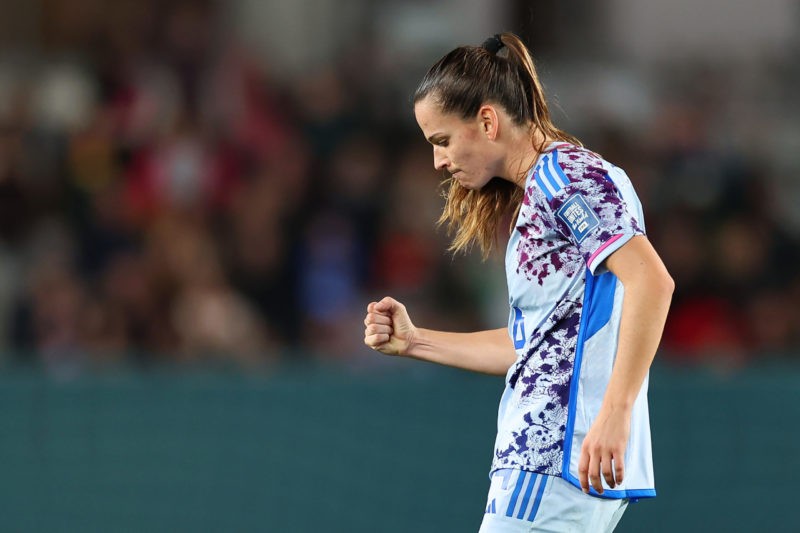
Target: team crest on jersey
{"type": "Point", "coordinates": [578, 216]}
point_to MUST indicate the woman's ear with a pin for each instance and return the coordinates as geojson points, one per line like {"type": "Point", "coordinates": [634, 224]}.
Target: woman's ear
{"type": "Point", "coordinates": [487, 115]}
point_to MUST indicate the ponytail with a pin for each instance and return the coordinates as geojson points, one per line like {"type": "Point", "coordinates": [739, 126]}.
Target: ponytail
{"type": "Point", "coordinates": [460, 83]}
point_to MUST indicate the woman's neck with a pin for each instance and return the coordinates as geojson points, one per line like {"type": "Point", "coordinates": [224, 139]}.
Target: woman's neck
{"type": "Point", "coordinates": [525, 151]}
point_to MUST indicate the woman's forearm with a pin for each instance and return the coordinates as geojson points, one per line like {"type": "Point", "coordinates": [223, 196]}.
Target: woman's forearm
{"type": "Point", "coordinates": [488, 352]}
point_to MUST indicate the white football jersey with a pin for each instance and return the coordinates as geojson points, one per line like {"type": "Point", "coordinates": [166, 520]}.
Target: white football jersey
{"type": "Point", "coordinates": [565, 316]}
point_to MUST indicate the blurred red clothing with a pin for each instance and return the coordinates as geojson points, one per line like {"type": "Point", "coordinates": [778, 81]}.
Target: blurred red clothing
{"type": "Point", "coordinates": [704, 325]}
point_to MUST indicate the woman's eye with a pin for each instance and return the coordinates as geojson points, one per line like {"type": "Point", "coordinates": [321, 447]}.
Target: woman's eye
{"type": "Point", "coordinates": [442, 143]}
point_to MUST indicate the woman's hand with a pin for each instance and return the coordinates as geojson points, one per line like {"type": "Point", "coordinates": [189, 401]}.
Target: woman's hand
{"type": "Point", "coordinates": [388, 327]}
{"type": "Point", "coordinates": [603, 450]}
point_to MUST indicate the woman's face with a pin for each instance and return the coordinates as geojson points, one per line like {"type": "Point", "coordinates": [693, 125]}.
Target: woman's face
{"type": "Point", "coordinates": [461, 147]}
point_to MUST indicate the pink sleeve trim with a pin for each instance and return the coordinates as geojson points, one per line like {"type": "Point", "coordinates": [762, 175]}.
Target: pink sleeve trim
{"type": "Point", "coordinates": [605, 245]}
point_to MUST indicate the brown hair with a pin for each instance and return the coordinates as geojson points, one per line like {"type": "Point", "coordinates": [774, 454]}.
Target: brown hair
{"type": "Point", "coordinates": [462, 81]}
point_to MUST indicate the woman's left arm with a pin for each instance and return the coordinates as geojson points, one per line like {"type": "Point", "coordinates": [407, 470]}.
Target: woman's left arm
{"type": "Point", "coordinates": [648, 291]}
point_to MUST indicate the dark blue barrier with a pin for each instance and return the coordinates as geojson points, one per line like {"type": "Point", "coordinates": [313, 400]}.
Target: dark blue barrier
{"type": "Point", "coordinates": [406, 449]}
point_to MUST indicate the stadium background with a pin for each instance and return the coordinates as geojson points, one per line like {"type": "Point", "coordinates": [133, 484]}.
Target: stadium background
{"type": "Point", "coordinates": [197, 200]}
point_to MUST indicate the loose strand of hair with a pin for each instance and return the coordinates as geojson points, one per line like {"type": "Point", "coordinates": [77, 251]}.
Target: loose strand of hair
{"type": "Point", "coordinates": [472, 217]}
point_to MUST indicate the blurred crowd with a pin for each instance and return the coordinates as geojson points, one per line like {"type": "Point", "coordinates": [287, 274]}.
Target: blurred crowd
{"type": "Point", "coordinates": [165, 198]}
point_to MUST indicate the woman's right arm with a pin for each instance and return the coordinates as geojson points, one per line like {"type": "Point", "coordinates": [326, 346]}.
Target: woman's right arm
{"type": "Point", "coordinates": [389, 330]}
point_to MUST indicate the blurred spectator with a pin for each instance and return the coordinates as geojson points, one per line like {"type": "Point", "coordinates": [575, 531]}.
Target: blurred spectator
{"type": "Point", "coordinates": [257, 243]}
{"type": "Point", "coordinates": [167, 197]}
{"type": "Point", "coordinates": [330, 284]}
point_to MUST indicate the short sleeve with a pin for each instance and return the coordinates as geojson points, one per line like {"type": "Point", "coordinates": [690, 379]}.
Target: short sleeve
{"type": "Point", "coordinates": [588, 207]}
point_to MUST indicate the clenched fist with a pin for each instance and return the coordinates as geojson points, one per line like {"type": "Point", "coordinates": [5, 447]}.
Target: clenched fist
{"type": "Point", "coordinates": [388, 327]}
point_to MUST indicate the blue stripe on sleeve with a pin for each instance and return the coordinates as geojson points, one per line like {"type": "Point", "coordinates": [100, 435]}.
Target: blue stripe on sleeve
{"type": "Point", "coordinates": [543, 187]}
{"type": "Point", "coordinates": [546, 187]}
{"type": "Point", "coordinates": [560, 175]}
{"type": "Point", "coordinates": [538, 501]}
{"type": "Point", "coordinates": [513, 503]}
{"type": "Point", "coordinates": [548, 172]}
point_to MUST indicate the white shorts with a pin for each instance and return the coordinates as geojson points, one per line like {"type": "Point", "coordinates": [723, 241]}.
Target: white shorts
{"type": "Point", "coordinates": [521, 501]}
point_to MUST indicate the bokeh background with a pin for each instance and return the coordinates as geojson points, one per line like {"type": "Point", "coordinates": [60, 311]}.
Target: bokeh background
{"type": "Point", "coordinates": [198, 199]}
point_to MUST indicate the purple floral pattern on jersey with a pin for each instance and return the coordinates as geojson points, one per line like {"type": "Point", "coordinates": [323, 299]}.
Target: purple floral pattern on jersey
{"type": "Point", "coordinates": [542, 379]}
{"type": "Point", "coordinates": [541, 251]}
{"type": "Point", "coordinates": [548, 250]}
{"type": "Point", "coordinates": [589, 179]}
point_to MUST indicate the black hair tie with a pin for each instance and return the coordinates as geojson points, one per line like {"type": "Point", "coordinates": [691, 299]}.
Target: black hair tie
{"type": "Point", "coordinates": [493, 44]}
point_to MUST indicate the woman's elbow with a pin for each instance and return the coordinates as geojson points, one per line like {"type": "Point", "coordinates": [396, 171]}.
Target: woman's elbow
{"type": "Point", "coordinates": [663, 286]}
{"type": "Point", "coordinates": [657, 283]}
{"type": "Point", "coordinates": [667, 284]}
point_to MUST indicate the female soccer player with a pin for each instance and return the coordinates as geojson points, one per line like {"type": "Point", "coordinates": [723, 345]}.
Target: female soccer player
{"type": "Point", "coordinates": [588, 295]}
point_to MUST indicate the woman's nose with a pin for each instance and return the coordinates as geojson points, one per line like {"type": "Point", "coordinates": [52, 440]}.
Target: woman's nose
{"type": "Point", "coordinates": [440, 161]}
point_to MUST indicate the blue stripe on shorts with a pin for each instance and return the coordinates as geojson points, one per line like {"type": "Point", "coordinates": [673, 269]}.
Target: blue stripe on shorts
{"type": "Point", "coordinates": [529, 485]}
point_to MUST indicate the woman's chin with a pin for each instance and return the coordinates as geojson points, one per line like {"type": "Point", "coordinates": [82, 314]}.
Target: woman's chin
{"type": "Point", "coordinates": [465, 182]}
{"type": "Point", "coordinates": [472, 184]}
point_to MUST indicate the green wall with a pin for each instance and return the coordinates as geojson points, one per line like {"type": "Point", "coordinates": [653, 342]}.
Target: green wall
{"type": "Point", "coordinates": [403, 449]}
